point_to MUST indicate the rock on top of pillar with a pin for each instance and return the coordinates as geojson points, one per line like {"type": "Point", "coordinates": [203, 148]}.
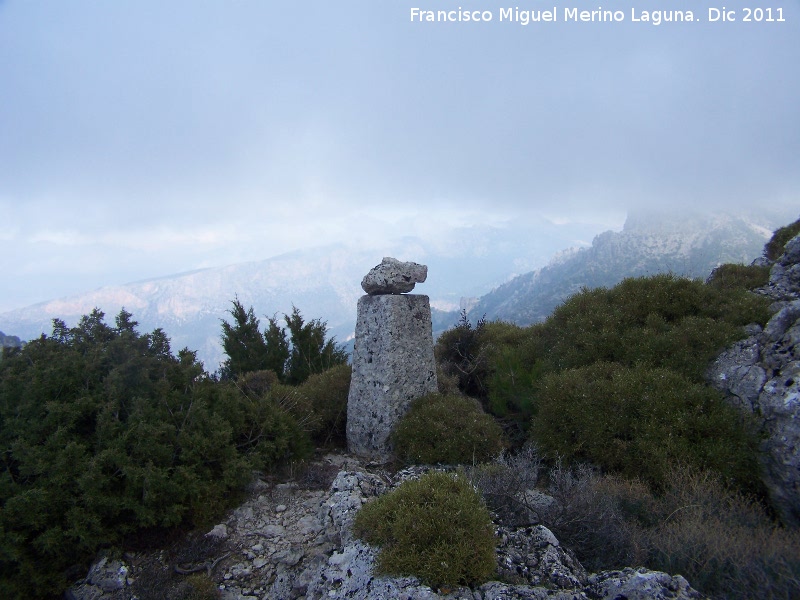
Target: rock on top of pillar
{"type": "Point", "coordinates": [393, 276]}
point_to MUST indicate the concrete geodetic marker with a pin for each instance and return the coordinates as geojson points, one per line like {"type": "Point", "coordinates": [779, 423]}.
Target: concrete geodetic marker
{"type": "Point", "coordinates": [392, 360]}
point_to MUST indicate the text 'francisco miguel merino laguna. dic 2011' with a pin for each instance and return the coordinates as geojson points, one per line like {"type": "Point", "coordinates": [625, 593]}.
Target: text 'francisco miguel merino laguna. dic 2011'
{"type": "Point", "coordinates": [576, 15]}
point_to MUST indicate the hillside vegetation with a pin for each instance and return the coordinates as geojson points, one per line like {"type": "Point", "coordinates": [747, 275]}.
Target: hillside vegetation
{"type": "Point", "coordinates": [615, 377]}
{"type": "Point", "coordinates": [105, 433]}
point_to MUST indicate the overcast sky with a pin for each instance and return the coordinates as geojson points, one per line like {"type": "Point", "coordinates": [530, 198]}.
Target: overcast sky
{"type": "Point", "coordinates": [141, 138]}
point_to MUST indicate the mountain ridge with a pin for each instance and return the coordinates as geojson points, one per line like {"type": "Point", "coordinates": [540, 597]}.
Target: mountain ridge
{"type": "Point", "coordinates": [324, 282]}
{"type": "Point", "coordinates": [649, 243]}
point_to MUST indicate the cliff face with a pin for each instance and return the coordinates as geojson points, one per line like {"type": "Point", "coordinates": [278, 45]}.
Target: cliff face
{"type": "Point", "coordinates": [761, 375]}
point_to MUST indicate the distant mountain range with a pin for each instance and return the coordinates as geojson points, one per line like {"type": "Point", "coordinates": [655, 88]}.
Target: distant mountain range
{"type": "Point", "coordinates": [324, 282]}
{"type": "Point", "coordinates": [649, 243]}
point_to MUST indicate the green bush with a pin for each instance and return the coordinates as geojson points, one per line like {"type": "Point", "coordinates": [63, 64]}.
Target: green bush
{"type": "Point", "coordinates": [460, 353]}
{"type": "Point", "coordinates": [446, 429]}
{"type": "Point", "coordinates": [738, 277]}
{"type": "Point", "coordinates": [435, 528]}
{"type": "Point", "coordinates": [777, 243]}
{"type": "Point", "coordinates": [640, 421]}
{"type": "Point", "coordinates": [327, 392]}
{"type": "Point", "coordinates": [636, 321]}
{"type": "Point", "coordinates": [105, 432]}
{"type": "Point", "coordinates": [467, 353]}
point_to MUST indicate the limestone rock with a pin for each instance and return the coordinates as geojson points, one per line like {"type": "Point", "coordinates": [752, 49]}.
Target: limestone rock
{"type": "Point", "coordinates": [108, 575]}
{"type": "Point", "coordinates": [393, 364]}
{"type": "Point", "coordinates": [318, 558]}
{"type": "Point", "coordinates": [780, 406]}
{"type": "Point", "coordinates": [533, 556]}
{"type": "Point", "coordinates": [761, 375]}
{"type": "Point", "coordinates": [737, 373]}
{"type": "Point", "coordinates": [641, 584]}
{"type": "Point", "coordinates": [784, 276]}
{"type": "Point", "coordinates": [393, 277]}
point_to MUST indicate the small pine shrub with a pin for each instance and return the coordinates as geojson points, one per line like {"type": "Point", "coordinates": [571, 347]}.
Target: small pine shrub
{"type": "Point", "coordinates": [448, 430]}
{"type": "Point", "coordinates": [466, 352]}
{"type": "Point", "coordinates": [738, 277]}
{"type": "Point", "coordinates": [327, 392]}
{"type": "Point", "coordinates": [777, 243]}
{"type": "Point", "coordinates": [462, 355]}
{"type": "Point", "coordinates": [435, 528]}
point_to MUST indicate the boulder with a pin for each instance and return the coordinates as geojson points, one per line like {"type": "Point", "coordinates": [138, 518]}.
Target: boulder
{"type": "Point", "coordinates": [641, 584]}
{"type": "Point", "coordinates": [393, 277]}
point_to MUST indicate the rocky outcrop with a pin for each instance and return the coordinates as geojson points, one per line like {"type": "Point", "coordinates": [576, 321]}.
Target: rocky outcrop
{"type": "Point", "coordinates": [393, 277]}
{"type": "Point", "coordinates": [393, 363]}
{"type": "Point", "coordinates": [784, 275]}
{"type": "Point", "coordinates": [291, 542]}
{"type": "Point", "coordinates": [761, 375]}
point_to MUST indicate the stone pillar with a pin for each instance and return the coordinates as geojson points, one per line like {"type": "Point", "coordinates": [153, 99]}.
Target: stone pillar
{"type": "Point", "coordinates": [393, 364]}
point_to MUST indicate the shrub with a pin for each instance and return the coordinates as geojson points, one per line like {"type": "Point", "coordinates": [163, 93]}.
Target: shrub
{"type": "Point", "coordinates": [106, 433]}
{"type": "Point", "coordinates": [777, 243]}
{"type": "Point", "coordinates": [435, 528]}
{"type": "Point", "coordinates": [738, 277]}
{"type": "Point", "coordinates": [639, 421]}
{"type": "Point", "coordinates": [448, 430]}
{"type": "Point", "coordinates": [596, 516]}
{"type": "Point", "coordinates": [636, 321]}
{"type": "Point", "coordinates": [722, 542]}
{"type": "Point", "coordinates": [327, 392]}
{"type": "Point", "coordinates": [505, 485]}
{"type": "Point", "coordinates": [462, 355]}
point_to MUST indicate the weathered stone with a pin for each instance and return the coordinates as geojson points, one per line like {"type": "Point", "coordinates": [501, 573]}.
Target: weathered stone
{"type": "Point", "coordinates": [784, 276]}
{"type": "Point", "coordinates": [219, 531]}
{"type": "Point", "coordinates": [780, 407]}
{"type": "Point", "coordinates": [108, 575]}
{"type": "Point", "coordinates": [780, 322]}
{"type": "Point", "coordinates": [533, 556]}
{"type": "Point", "coordinates": [737, 373]}
{"type": "Point", "coordinates": [762, 376]}
{"type": "Point", "coordinates": [84, 591]}
{"type": "Point", "coordinates": [393, 364]}
{"type": "Point", "coordinates": [393, 277]}
{"type": "Point", "coordinates": [641, 584]}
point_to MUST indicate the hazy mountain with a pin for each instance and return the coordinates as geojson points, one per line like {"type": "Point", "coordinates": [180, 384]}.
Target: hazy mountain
{"type": "Point", "coordinates": [649, 243]}
{"type": "Point", "coordinates": [462, 264]}
{"type": "Point", "coordinates": [322, 282]}
{"type": "Point", "coordinates": [9, 341]}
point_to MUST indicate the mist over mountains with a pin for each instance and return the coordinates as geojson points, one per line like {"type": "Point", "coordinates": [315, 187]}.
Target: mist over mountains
{"type": "Point", "coordinates": [501, 272]}
{"type": "Point", "coordinates": [322, 282]}
{"type": "Point", "coordinates": [649, 243]}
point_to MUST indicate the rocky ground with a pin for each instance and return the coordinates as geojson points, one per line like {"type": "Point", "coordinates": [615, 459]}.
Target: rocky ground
{"type": "Point", "coordinates": [293, 540]}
